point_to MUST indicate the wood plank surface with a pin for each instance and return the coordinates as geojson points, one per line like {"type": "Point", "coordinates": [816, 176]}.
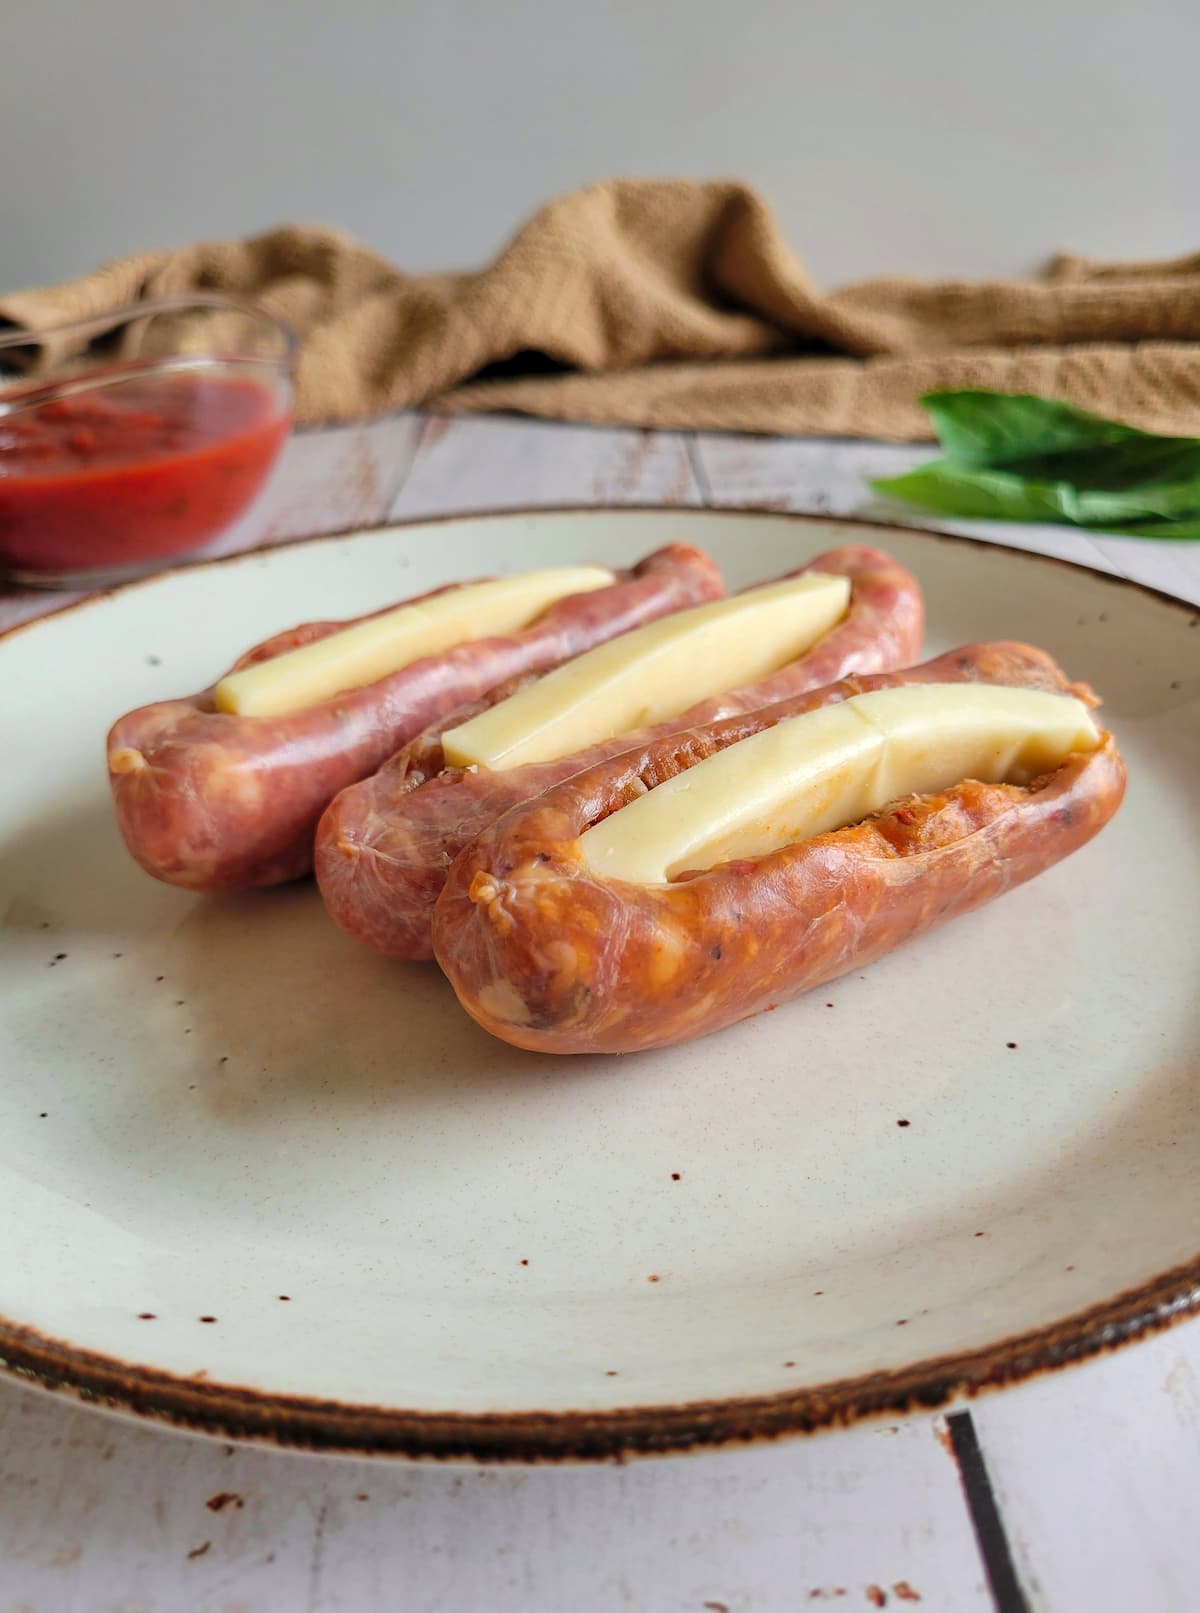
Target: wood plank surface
{"type": "Point", "coordinates": [1097, 1475]}
{"type": "Point", "coordinates": [98, 1515]}
{"type": "Point", "coordinates": [472, 464]}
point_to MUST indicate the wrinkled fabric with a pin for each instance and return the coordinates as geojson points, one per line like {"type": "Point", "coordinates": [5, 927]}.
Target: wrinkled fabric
{"type": "Point", "coordinates": [680, 304]}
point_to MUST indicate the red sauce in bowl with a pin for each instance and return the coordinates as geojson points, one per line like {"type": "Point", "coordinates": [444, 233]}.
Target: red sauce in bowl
{"type": "Point", "coordinates": [134, 471]}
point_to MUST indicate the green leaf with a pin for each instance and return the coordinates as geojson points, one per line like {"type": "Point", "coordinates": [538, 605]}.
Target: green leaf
{"type": "Point", "coordinates": [980, 495]}
{"type": "Point", "coordinates": [1003, 495]}
{"type": "Point", "coordinates": [1014, 457]}
{"type": "Point", "coordinates": [1180, 530]}
{"type": "Point", "coordinates": [1159, 471]}
{"type": "Point", "coordinates": [982, 428]}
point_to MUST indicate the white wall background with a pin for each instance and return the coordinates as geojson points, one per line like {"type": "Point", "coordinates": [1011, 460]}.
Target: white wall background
{"type": "Point", "coordinates": [940, 136]}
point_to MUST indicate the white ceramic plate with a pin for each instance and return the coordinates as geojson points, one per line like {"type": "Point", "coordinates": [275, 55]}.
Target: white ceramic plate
{"type": "Point", "coordinates": [209, 1104]}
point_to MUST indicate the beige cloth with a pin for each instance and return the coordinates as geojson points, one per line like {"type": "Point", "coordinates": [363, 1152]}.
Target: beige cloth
{"type": "Point", "coordinates": [679, 303]}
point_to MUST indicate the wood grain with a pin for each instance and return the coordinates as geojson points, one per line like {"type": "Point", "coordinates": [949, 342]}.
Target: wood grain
{"type": "Point", "coordinates": [91, 1507]}
{"type": "Point", "coordinates": [473, 464]}
{"type": "Point", "coordinates": [1097, 1474]}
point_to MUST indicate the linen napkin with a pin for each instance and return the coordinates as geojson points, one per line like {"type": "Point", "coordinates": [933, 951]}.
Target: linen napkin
{"type": "Point", "coordinates": [679, 304]}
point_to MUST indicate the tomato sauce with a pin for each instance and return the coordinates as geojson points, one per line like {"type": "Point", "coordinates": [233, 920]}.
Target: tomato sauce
{"type": "Point", "coordinates": [134, 471]}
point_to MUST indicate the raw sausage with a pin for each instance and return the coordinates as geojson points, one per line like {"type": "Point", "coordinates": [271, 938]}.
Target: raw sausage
{"type": "Point", "coordinates": [212, 801]}
{"type": "Point", "coordinates": [548, 955]}
{"type": "Point", "coordinates": [384, 846]}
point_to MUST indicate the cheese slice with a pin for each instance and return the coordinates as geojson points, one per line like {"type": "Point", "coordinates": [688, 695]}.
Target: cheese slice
{"type": "Point", "coordinates": [653, 673]}
{"type": "Point", "coordinates": [373, 649]}
{"type": "Point", "coordinates": [833, 767]}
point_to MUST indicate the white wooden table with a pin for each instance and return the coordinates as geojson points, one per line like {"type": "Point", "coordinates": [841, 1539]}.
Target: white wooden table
{"type": "Point", "coordinates": [1078, 1490]}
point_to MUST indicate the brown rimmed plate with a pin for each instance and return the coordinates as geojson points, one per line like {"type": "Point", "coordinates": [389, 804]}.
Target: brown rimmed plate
{"type": "Point", "coordinates": [257, 1180]}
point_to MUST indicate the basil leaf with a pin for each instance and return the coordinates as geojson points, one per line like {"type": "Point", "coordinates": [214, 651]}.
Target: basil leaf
{"type": "Point", "coordinates": [982, 428]}
{"type": "Point", "coordinates": [1010, 456]}
{"type": "Point", "coordinates": [980, 495]}
{"type": "Point", "coordinates": [1163, 473]}
{"type": "Point", "coordinates": [1181, 530]}
{"type": "Point", "coordinates": [1004, 495]}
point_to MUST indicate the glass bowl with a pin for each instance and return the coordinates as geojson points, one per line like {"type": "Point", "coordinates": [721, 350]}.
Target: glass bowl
{"type": "Point", "coordinates": [134, 439]}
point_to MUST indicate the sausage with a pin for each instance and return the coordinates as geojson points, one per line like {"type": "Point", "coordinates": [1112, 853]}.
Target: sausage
{"type": "Point", "coordinates": [212, 801]}
{"type": "Point", "coordinates": [383, 847]}
{"type": "Point", "coordinates": [550, 956]}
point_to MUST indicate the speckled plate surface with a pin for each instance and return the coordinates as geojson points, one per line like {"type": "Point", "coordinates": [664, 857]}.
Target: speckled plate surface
{"type": "Point", "coordinates": [255, 1178]}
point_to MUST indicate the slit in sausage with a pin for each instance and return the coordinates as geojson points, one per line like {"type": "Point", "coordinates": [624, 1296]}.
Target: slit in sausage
{"type": "Point", "coordinates": [827, 769]}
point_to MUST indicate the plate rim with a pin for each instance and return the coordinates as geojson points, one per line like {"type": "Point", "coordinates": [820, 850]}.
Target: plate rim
{"type": "Point", "coordinates": [234, 1411]}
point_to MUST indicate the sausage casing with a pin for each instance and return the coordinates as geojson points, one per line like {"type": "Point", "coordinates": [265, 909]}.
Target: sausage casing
{"type": "Point", "coordinates": [384, 845]}
{"type": "Point", "coordinates": [548, 955]}
{"type": "Point", "coordinates": [213, 801]}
